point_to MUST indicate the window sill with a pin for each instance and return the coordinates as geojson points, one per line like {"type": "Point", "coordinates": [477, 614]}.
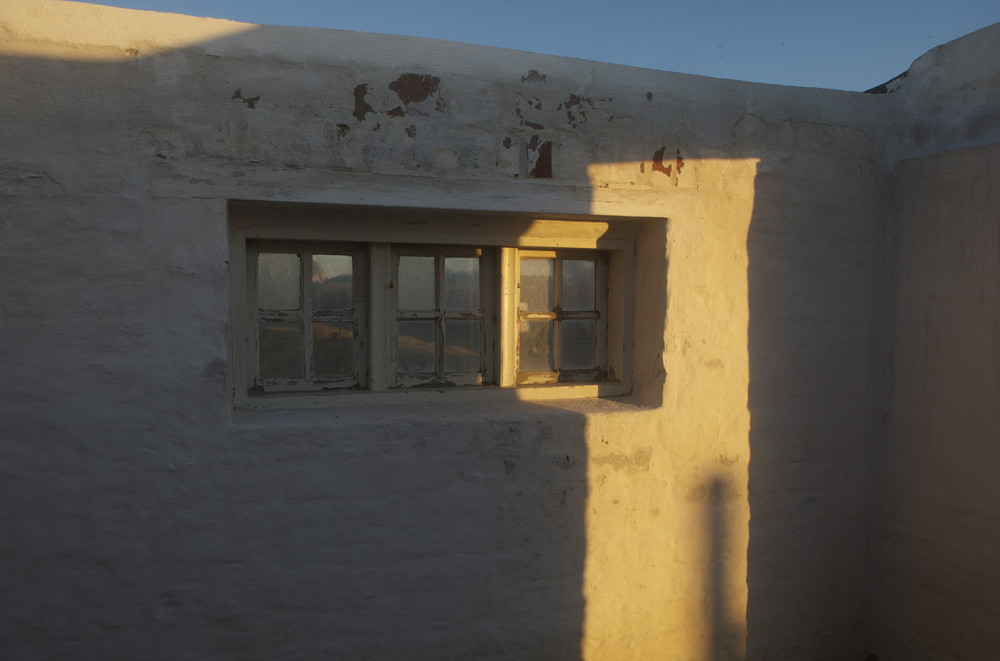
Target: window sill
{"type": "Point", "coordinates": [389, 407]}
{"type": "Point", "coordinates": [436, 396]}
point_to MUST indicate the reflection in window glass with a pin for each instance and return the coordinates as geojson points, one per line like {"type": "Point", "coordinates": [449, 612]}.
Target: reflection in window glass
{"type": "Point", "coordinates": [333, 348]}
{"type": "Point", "coordinates": [416, 283]}
{"type": "Point", "coordinates": [462, 346]}
{"type": "Point", "coordinates": [281, 350]}
{"type": "Point", "coordinates": [577, 342]}
{"type": "Point", "coordinates": [536, 284]}
{"type": "Point", "coordinates": [577, 284]}
{"type": "Point", "coordinates": [461, 283]}
{"type": "Point", "coordinates": [415, 346]}
{"type": "Point", "coordinates": [535, 346]}
{"type": "Point", "coordinates": [278, 277]}
{"type": "Point", "coordinates": [332, 282]}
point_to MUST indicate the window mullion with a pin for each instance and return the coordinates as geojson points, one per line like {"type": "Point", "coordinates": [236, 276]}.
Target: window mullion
{"type": "Point", "coordinates": [382, 316]}
{"type": "Point", "coordinates": [557, 308]}
{"type": "Point", "coordinates": [439, 322]}
{"type": "Point", "coordinates": [305, 296]}
{"type": "Point", "coordinates": [253, 317]}
{"type": "Point", "coordinates": [601, 297]}
{"type": "Point", "coordinates": [509, 276]}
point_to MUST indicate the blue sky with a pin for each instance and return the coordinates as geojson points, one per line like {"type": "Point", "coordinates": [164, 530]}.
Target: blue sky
{"type": "Point", "coordinates": [840, 44]}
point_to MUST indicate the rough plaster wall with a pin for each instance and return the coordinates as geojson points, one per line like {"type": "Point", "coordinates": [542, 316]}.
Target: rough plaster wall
{"type": "Point", "coordinates": [716, 514]}
{"type": "Point", "coordinates": [933, 571]}
{"type": "Point", "coordinates": [938, 586]}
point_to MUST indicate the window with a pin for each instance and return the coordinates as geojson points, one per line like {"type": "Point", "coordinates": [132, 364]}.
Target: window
{"type": "Point", "coordinates": [335, 304]}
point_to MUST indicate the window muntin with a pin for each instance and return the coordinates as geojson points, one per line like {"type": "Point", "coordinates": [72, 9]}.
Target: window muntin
{"type": "Point", "coordinates": [561, 316]}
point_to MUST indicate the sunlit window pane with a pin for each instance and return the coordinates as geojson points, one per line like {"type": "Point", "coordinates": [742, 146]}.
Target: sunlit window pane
{"type": "Point", "coordinates": [536, 284]}
{"type": "Point", "coordinates": [462, 346]}
{"type": "Point", "coordinates": [416, 283]}
{"type": "Point", "coordinates": [461, 283]}
{"type": "Point", "coordinates": [577, 284]}
{"type": "Point", "coordinates": [281, 350]}
{"type": "Point", "coordinates": [278, 281]}
{"type": "Point", "coordinates": [332, 282]}
{"type": "Point", "coordinates": [333, 348]}
{"type": "Point", "coordinates": [415, 346]}
{"type": "Point", "coordinates": [535, 346]}
{"type": "Point", "coordinates": [577, 343]}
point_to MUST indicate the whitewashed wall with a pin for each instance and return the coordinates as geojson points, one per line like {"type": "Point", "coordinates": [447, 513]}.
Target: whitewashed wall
{"type": "Point", "coordinates": [720, 512]}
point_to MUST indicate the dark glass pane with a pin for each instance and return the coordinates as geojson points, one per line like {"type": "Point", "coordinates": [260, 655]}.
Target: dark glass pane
{"type": "Point", "coordinates": [536, 284]}
{"type": "Point", "coordinates": [462, 346]}
{"type": "Point", "coordinates": [415, 346]}
{"type": "Point", "coordinates": [416, 283]}
{"type": "Point", "coordinates": [461, 283]}
{"type": "Point", "coordinates": [535, 346]}
{"type": "Point", "coordinates": [278, 281]}
{"type": "Point", "coordinates": [333, 348]}
{"type": "Point", "coordinates": [281, 350]}
{"type": "Point", "coordinates": [332, 282]}
{"type": "Point", "coordinates": [577, 284]}
{"type": "Point", "coordinates": [577, 342]}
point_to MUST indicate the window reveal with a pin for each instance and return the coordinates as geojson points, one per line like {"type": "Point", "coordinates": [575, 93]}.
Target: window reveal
{"type": "Point", "coordinates": [539, 305]}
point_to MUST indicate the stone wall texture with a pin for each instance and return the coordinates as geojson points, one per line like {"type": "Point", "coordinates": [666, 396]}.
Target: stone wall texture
{"type": "Point", "coordinates": [805, 469]}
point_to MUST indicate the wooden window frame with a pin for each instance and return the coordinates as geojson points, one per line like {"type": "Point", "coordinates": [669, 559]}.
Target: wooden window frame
{"type": "Point", "coordinates": [306, 316]}
{"type": "Point", "coordinates": [599, 315]}
{"type": "Point", "coordinates": [500, 239]}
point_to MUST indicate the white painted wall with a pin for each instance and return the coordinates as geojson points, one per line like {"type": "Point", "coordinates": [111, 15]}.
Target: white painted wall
{"type": "Point", "coordinates": [720, 512]}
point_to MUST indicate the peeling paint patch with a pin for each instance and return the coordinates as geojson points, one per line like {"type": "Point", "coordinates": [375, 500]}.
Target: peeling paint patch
{"type": "Point", "coordinates": [658, 165]}
{"type": "Point", "coordinates": [672, 167]}
{"type": "Point", "coordinates": [649, 96]}
{"type": "Point", "coordinates": [542, 157]}
{"type": "Point", "coordinates": [533, 77]}
{"type": "Point", "coordinates": [250, 101]}
{"type": "Point", "coordinates": [361, 107]}
{"type": "Point", "coordinates": [414, 88]}
{"type": "Point", "coordinates": [576, 107]}
{"type": "Point", "coordinates": [507, 142]}
{"type": "Point", "coordinates": [411, 130]}
{"type": "Point", "coordinates": [342, 130]}
{"type": "Point", "coordinates": [396, 112]}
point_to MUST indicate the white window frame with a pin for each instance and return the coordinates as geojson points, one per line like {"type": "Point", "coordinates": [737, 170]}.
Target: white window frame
{"type": "Point", "coordinates": [387, 232]}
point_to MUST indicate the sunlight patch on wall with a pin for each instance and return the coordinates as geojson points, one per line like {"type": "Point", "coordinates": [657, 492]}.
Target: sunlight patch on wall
{"type": "Point", "coordinates": [91, 33]}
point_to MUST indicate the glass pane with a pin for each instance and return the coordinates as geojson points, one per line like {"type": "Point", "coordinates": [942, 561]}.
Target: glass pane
{"type": "Point", "coordinates": [416, 283]}
{"type": "Point", "coordinates": [332, 282]}
{"type": "Point", "coordinates": [415, 346]}
{"type": "Point", "coordinates": [536, 284]}
{"type": "Point", "coordinates": [281, 350]}
{"type": "Point", "coordinates": [333, 348]}
{"type": "Point", "coordinates": [577, 284]}
{"type": "Point", "coordinates": [461, 349]}
{"type": "Point", "coordinates": [577, 342]}
{"type": "Point", "coordinates": [535, 346]}
{"type": "Point", "coordinates": [278, 281]}
{"type": "Point", "coordinates": [461, 283]}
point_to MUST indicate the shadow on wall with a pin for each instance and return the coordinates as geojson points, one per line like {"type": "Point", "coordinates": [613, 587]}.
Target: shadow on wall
{"type": "Point", "coordinates": [142, 522]}
{"type": "Point", "coordinates": [812, 280]}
